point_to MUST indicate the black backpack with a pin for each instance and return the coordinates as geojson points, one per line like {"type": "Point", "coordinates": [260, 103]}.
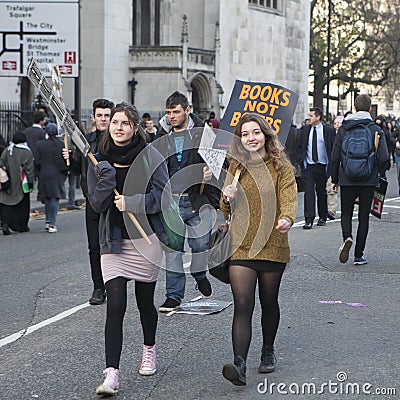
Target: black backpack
{"type": "Point", "coordinates": [358, 152]}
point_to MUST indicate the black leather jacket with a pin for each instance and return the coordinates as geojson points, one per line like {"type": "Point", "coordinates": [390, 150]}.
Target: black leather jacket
{"type": "Point", "coordinates": [79, 163]}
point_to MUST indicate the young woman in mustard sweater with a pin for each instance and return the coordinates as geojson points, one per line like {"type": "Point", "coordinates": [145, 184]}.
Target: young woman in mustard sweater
{"type": "Point", "coordinates": [262, 208]}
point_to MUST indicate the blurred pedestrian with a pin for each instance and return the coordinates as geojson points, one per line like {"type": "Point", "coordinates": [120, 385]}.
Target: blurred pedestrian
{"type": "Point", "coordinates": [390, 145]}
{"type": "Point", "coordinates": [214, 123]}
{"type": "Point", "coordinates": [267, 190]}
{"type": "Point", "coordinates": [145, 117]}
{"type": "Point", "coordinates": [395, 138]}
{"type": "Point", "coordinates": [18, 159]}
{"type": "Point", "coordinates": [150, 129]}
{"type": "Point", "coordinates": [332, 194]}
{"type": "Point", "coordinates": [52, 175]}
{"type": "Point", "coordinates": [35, 133]}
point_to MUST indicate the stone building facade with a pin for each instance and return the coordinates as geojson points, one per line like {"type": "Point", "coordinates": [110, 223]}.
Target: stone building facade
{"type": "Point", "coordinates": [143, 50]}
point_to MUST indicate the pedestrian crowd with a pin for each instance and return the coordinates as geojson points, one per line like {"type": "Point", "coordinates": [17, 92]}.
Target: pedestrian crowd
{"type": "Point", "coordinates": [354, 155]}
{"type": "Point", "coordinates": [136, 169]}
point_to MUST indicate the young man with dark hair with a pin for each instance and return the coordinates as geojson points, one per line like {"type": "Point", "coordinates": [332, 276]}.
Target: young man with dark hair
{"type": "Point", "coordinates": [316, 141]}
{"type": "Point", "coordinates": [35, 132]}
{"type": "Point", "coordinates": [178, 140]}
{"type": "Point", "coordinates": [352, 188]}
{"type": "Point", "coordinates": [79, 165]}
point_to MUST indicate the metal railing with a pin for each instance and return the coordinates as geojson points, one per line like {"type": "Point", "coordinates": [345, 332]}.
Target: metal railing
{"type": "Point", "coordinates": [13, 119]}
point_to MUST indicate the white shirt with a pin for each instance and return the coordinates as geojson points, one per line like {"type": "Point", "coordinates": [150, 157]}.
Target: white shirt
{"type": "Point", "coordinates": [322, 156]}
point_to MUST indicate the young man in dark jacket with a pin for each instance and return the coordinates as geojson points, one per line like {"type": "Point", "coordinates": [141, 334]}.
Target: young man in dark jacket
{"type": "Point", "coordinates": [352, 188]}
{"type": "Point", "coordinates": [178, 141]}
{"type": "Point", "coordinates": [79, 165]}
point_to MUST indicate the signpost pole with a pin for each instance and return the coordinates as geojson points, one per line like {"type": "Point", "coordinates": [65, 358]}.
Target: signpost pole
{"type": "Point", "coordinates": [77, 89]}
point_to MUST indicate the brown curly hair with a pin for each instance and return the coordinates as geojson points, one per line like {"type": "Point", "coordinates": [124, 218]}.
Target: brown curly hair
{"type": "Point", "coordinates": [239, 155]}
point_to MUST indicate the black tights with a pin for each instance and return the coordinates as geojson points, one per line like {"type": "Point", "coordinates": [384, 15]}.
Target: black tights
{"type": "Point", "coordinates": [116, 307]}
{"type": "Point", "coordinates": [243, 284]}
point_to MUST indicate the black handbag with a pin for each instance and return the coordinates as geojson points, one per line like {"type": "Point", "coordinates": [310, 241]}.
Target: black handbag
{"type": "Point", "coordinates": [219, 253]}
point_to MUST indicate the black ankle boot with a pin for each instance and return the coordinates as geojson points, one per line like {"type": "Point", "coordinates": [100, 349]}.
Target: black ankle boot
{"type": "Point", "coordinates": [6, 229]}
{"type": "Point", "coordinates": [268, 360]}
{"type": "Point", "coordinates": [235, 373]}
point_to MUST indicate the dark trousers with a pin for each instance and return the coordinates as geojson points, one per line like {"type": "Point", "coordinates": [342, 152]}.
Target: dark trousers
{"type": "Point", "coordinates": [348, 195]}
{"type": "Point", "coordinates": [92, 231]}
{"type": "Point", "coordinates": [16, 217]}
{"type": "Point", "coordinates": [314, 178]}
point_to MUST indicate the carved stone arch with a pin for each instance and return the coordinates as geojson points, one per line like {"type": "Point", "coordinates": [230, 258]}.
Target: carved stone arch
{"type": "Point", "coordinates": [201, 95]}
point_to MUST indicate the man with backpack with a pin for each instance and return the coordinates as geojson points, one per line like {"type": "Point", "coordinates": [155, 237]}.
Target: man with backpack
{"type": "Point", "coordinates": [359, 157]}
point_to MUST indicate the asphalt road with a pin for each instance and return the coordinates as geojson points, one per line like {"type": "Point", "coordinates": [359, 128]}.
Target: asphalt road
{"type": "Point", "coordinates": [52, 345]}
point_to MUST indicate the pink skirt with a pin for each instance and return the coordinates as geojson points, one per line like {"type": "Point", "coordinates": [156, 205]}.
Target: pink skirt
{"type": "Point", "coordinates": [138, 261]}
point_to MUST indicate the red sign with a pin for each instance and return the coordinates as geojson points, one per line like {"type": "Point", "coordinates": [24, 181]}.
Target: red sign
{"type": "Point", "coordinates": [70, 57]}
{"type": "Point", "coordinates": [378, 198]}
{"type": "Point", "coordinates": [65, 69]}
{"type": "Point", "coordinates": [9, 65]}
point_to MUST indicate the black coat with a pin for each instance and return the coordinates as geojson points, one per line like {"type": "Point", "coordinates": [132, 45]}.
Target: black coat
{"type": "Point", "coordinates": [52, 168]}
{"type": "Point", "coordinates": [382, 156]}
{"type": "Point", "coordinates": [329, 138]}
{"type": "Point", "coordinates": [79, 164]}
{"type": "Point", "coordinates": [211, 193]}
{"type": "Point", "coordinates": [33, 135]}
{"type": "Point", "coordinates": [395, 137]}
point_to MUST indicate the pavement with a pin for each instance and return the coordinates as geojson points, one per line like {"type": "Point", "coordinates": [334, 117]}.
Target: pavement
{"type": "Point", "coordinates": [37, 207]}
{"type": "Point", "coordinates": [338, 336]}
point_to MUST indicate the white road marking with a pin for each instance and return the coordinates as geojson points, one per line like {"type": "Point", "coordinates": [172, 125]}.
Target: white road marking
{"type": "Point", "coordinates": [392, 199]}
{"type": "Point", "coordinates": [24, 332]}
{"type": "Point", "coordinates": [33, 328]}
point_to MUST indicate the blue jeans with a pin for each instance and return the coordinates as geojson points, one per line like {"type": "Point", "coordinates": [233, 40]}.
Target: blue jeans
{"type": "Point", "coordinates": [51, 209]}
{"type": "Point", "coordinates": [198, 230]}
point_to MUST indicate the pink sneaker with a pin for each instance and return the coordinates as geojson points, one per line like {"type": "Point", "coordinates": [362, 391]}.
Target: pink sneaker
{"type": "Point", "coordinates": [148, 366]}
{"type": "Point", "coordinates": [110, 385]}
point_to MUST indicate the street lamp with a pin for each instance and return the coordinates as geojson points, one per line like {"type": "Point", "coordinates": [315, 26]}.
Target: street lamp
{"type": "Point", "coordinates": [328, 66]}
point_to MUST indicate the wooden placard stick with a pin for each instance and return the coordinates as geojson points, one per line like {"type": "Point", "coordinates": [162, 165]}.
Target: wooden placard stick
{"type": "Point", "coordinates": [235, 180]}
{"type": "Point", "coordinates": [203, 183]}
{"type": "Point", "coordinates": [66, 146]}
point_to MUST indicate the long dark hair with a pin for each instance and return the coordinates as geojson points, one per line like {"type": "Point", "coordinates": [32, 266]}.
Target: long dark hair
{"type": "Point", "coordinates": [239, 155]}
{"type": "Point", "coordinates": [134, 119]}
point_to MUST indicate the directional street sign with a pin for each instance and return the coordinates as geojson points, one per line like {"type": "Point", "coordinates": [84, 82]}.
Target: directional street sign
{"type": "Point", "coordinates": [47, 31]}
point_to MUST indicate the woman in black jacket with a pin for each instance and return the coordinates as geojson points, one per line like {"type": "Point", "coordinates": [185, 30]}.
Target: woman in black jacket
{"type": "Point", "coordinates": [125, 255]}
{"type": "Point", "coordinates": [52, 174]}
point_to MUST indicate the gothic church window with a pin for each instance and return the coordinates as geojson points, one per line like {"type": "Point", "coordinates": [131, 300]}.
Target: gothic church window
{"type": "Point", "coordinates": [146, 22]}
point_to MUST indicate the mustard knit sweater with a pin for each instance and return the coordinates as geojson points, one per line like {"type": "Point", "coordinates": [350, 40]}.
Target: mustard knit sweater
{"type": "Point", "coordinates": [262, 199]}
